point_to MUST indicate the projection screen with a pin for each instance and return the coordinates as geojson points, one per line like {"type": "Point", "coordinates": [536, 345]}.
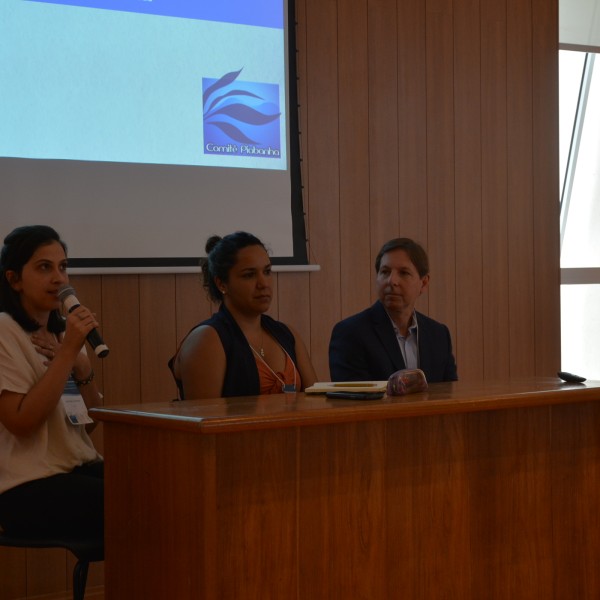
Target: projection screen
{"type": "Point", "coordinates": [138, 128]}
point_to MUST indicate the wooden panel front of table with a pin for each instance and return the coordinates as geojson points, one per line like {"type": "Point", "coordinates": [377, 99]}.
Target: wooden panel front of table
{"type": "Point", "coordinates": [467, 491]}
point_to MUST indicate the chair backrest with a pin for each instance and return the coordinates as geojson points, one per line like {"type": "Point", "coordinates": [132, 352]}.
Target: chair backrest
{"type": "Point", "coordinates": [91, 550]}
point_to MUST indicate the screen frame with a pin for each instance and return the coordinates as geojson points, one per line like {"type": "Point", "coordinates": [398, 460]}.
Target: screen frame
{"type": "Point", "coordinates": [165, 264]}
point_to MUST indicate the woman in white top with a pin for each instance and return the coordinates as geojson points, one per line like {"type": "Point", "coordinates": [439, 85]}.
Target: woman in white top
{"type": "Point", "coordinates": [51, 476]}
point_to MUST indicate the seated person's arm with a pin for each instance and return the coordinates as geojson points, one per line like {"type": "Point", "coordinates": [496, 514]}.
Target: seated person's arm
{"type": "Point", "coordinates": [347, 361]}
{"type": "Point", "coordinates": [303, 362]}
{"type": "Point", "coordinates": [22, 414]}
{"type": "Point", "coordinates": [202, 364]}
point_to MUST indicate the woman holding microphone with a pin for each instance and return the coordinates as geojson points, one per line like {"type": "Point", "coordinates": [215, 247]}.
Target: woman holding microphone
{"type": "Point", "coordinates": [51, 476]}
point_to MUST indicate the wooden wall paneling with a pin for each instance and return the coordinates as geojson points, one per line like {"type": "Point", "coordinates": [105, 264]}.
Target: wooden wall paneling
{"type": "Point", "coordinates": [354, 154]}
{"type": "Point", "coordinates": [121, 329]}
{"type": "Point", "coordinates": [546, 209]}
{"type": "Point", "coordinates": [294, 306]}
{"type": "Point", "coordinates": [509, 469]}
{"type": "Point", "coordinates": [13, 573]}
{"type": "Point", "coordinates": [191, 303]}
{"type": "Point", "coordinates": [322, 150]}
{"type": "Point", "coordinates": [468, 339]}
{"type": "Point", "coordinates": [575, 500]}
{"type": "Point", "coordinates": [441, 237]}
{"type": "Point", "coordinates": [412, 123]}
{"type": "Point", "coordinates": [494, 190]}
{"type": "Point", "coordinates": [46, 571]}
{"type": "Point", "coordinates": [412, 126]}
{"type": "Point", "coordinates": [383, 126]}
{"type": "Point", "coordinates": [352, 474]}
{"type": "Point", "coordinates": [158, 337]}
{"type": "Point", "coordinates": [428, 504]}
{"type": "Point", "coordinates": [520, 190]}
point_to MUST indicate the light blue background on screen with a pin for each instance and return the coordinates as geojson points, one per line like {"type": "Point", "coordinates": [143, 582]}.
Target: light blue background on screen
{"type": "Point", "coordinates": [87, 84]}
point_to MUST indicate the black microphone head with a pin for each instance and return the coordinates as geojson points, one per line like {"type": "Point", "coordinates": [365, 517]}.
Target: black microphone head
{"type": "Point", "coordinates": [65, 291]}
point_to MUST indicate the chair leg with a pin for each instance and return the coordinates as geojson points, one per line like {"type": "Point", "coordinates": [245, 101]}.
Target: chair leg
{"type": "Point", "coordinates": [80, 573]}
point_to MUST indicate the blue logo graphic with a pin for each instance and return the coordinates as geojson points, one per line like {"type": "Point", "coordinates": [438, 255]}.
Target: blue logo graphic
{"type": "Point", "coordinates": [241, 118]}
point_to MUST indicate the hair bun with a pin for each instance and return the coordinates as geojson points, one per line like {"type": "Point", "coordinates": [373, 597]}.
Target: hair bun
{"type": "Point", "coordinates": [211, 242]}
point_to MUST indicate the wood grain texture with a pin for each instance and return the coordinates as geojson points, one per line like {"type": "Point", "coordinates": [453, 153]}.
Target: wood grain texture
{"type": "Point", "coordinates": [341, 512]}
{"type": "Point", "coordinates": [441, 236]}
{"type": "Point", "coordinates": [157, 547]}
{"type": "Point", "coordinates": [468, 338]}
{"type": "Point", "coordinates": [191, 303]}
{"type": "Point", "coordinates": [383, 125]}
{"type": "Point", "coordinates": [121, 329]}
{"type": "Point", "coordinates": [256, 515]}
{"type": "Point", "coordinates": [496, 235]}
{"type": "Point", "coordinates": [520, 160]}
{"type": "Point", "coordinates": [546, 207]}
{"type": "Point", "coordinates": [428, 508]}
{"type": "Point", "coordinates": [510, 472]}
{"type": "Point", "coordinates": [466, 505]}
{"type": "Point", "coordinates": [322, 148]}
{"type": "Point", "coordinates": [412, 123]}
{"type": "Point", "coordinates": [158, 335]}
{"type": "Point", "coordinates": [576, 495]}
{"type": "Point", "coordinates": [354, 151]}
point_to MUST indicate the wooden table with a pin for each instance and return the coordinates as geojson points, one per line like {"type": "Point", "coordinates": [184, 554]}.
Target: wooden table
{"type": "Point", "coordinates": [467, 491]}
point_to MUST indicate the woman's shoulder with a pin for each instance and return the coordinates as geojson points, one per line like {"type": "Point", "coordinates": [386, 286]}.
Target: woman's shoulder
{"type": "Point", "coordinates": [201, 335]}
{"type": "Point", "coordinates": [16, 349]}
{"type": "Point", "coordinates": [6, 319]}
{"type": "Point", "coordinates": [9, 327]}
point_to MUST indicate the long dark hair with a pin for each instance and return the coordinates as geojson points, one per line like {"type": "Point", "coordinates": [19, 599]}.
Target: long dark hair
{"type": "Point", "coordinates": [221, 255]}
{"type": "Point", "coordinates": [19, 246]}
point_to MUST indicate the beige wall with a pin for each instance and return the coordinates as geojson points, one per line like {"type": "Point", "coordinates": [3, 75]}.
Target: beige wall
{"type": "Point", "coordinates": [432, 119]}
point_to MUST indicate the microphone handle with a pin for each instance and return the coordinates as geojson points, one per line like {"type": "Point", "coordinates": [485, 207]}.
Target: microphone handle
{"type": "Point", "coordinates": [94, 338]}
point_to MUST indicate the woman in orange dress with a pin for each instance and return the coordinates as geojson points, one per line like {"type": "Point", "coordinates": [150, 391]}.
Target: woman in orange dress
{"type": "Point", "coordinates": [240, 351]}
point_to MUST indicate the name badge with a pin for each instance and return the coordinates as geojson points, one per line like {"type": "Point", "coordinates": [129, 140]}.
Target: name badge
{"type": "Point", "coordinates": [74, 405]}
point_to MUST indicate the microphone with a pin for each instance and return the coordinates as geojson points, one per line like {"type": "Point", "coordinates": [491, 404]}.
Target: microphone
{"type": "Point", "coordinates": [66, 294]}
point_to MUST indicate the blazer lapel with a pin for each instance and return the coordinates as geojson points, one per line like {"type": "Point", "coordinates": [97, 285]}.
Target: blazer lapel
{"type": "Point", "coordinates": [425, 348]}
{"type": "Point", "coordinates": [384, 330]}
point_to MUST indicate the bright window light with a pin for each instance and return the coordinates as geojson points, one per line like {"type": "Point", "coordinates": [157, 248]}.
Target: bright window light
{"type": "Point", "coordinates": [580, 210]}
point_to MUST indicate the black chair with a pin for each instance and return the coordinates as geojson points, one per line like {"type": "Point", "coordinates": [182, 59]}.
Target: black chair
{"type": "Point", "coordinates": [85, 550]}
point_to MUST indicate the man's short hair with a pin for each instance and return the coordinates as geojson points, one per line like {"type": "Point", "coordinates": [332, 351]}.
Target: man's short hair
{"type": "Point", "coordinates": [415, 252]}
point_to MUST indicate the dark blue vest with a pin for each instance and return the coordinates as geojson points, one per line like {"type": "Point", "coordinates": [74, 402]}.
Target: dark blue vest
{"type": "Point", "coordinates": [241, 374]}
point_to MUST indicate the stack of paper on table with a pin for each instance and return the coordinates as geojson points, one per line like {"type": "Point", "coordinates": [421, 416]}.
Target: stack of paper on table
{"type": "Point", "coordinates": [323, 387]}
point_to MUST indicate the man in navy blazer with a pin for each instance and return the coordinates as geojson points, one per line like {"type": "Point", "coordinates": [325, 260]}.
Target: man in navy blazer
{"type": "Point", "coordinates": [391, 335]}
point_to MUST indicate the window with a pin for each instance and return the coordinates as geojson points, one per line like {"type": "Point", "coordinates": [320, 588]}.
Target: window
{"type": "Point", "coordinates": [580, 212]}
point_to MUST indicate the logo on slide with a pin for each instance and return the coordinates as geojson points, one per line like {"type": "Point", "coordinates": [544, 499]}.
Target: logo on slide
{"type": "Point", "coordinates": [241, 118]}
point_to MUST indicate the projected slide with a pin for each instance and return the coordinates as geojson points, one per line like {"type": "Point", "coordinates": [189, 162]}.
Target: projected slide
{"type": "Point", "coordinates": [138, 128]}
{"type": "Point", "coordinates": [172, 82]}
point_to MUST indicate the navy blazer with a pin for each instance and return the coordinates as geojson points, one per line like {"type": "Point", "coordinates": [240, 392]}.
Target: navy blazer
{"type": "Point", "coordinates": [364, 347]}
